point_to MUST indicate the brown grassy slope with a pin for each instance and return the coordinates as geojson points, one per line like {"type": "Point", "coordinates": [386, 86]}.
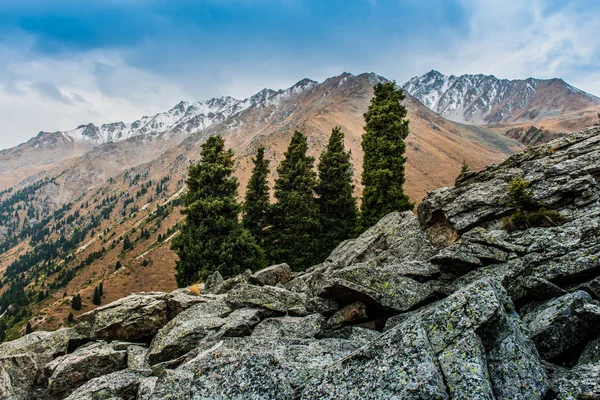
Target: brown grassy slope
{"type": "Point", "coordinates": [436, 149]}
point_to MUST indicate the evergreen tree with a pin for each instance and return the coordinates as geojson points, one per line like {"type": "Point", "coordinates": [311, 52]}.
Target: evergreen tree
{"type": "Point", "coordinates": [383, 164]}
{"type": "Point", "coordinates": [76, 302]}
{"type": "Point", "coordinates": [70, 318]}
{"type": "Point", "coordinates": [28, 328]}
{"type": "Point", "coordinates": [118, 265]}
{"type": "Point", "coordinates": [127, 244]}
{"type": "Point", "coordinates": [295, 216]}
{"type": "Point", "coordinates": [337, 205]}
{"type": "Point", "coordinates": [97, 298]}
{"type": "Point", "coordinates": [211, 237]}
{"type": "Point", "coordinates": [464, 168]}
{"type": "Point", "coordinates": [257, 203]}
{"type": "Point", "coordinates": [101, 289]}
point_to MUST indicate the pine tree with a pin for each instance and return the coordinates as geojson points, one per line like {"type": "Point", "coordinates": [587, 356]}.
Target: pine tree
{"type": "Point", "coordinates": [295, 217]}
{"type": "Point", "coordinates": [211, 237]}
{"type": "Point", "coordinates": [101, 289]}
{"type": "Point", "coordinates": [76, 302]}
{"type": "Point", "coordinates": [118, 265]}
{"type": "Point", "coordinates": [70, 318]}
{"type": "Point", "coordinates": [97, 298]}
{"type": "Point", "coordinates": [464, 168]}
{"type": "Point", "coordinates": [383, 164]}
{"type": "Point", "coordinates": [337, 205]}
{"type": "Point", "coordinates": [127, 244]}
{"type": "Point", "coordinates": [28, 328]}
{"type": "Point", "coordinates": [257, 203]}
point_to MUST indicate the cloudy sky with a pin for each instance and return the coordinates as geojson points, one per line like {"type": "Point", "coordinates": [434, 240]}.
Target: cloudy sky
{"type": "Point", "coordinates": [68, 62]}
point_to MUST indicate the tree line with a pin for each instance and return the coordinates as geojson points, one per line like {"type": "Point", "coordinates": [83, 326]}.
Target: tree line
{"type": "Point", "coordinates": [313, 210]}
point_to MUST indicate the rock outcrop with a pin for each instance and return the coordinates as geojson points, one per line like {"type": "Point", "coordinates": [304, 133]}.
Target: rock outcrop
{"type": "Point", "coordinates": [442, 304]}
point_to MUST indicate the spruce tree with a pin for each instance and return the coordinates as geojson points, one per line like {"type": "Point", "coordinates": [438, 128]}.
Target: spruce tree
{"type": "Point", "coordinates": [337, 205]}
{"type": "Point", "coordinates": [70, 318]}
{"type": "Point", "coordinates": [97, 297]}
{"type": "Point", "coordinates": [383, 164]}
{"type": "Point", "coordinates": [28, 328]}
{"type": "Point", "coordinates": [76, 302]}
{"type": "Point", "coordinates": [295, 217]}
{"type": "Point", "coordinates": [257, 203]}
{"type": "Point", "coordinates": [211, 237]}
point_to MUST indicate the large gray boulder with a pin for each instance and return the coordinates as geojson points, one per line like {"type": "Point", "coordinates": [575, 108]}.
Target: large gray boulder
{"type": "Point", "coordinates": [22, 361]}
{"type": "Point", "coordinates": [580, 383]}
{"type": "Point", "coordinates": [185, 331]}
{"type": "Point", "coordinates": [268, 297]}
{"type": "Point", "coordinates": [271, 276]}
{"type": "Point", "coordinates": [134, 317]}
{"type": "Point", "coordinates": [299, 327]}
{"type": "Point", "coordinates": [121, 385]}
{"type": "Point", "coordinates": [559, 324]}
{"type": "Point", "coordinates": [90, 361]}
{"type": "Point", "coordinates": [471, 345]}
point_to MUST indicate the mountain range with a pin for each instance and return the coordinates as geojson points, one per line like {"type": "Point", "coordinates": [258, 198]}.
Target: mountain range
{"type": "Point", "coordinates": [70, 198]}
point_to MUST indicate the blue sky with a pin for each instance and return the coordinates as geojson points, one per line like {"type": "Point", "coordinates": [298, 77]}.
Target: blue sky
{"type": "Point", "coordinates": [68, 62]}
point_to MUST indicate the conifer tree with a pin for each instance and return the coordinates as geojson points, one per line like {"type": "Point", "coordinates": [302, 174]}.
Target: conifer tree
{"type": "Point", "coordinates": [76, 302]}
{"type": "Point", "coordinates": [28, 328]}
{"type": "Point", "coordinates": [211, 237]}
{"type": "Point", "coordinates": [337, 205]}
{"type": "Point", "coordinates": [101, 289]}
{"type": "Point", "coordinates": [96, 299]}
{"type": "Point", "coordinates": [383, 164]}
{"type": "Point", "coordinates": [295, 219]}
{"type": "Point", "coordinates": [464, 167]}
{"type": "Point", "coordinates": [257, 203]}
{"type": "Point", "coordinates": [70, 318]}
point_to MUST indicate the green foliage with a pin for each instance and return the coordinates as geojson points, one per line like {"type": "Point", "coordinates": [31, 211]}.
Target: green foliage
{"type": "Point", "coordinates": [70, 318]}
{"type": "Point", "coordinates": [28, 328]}
{"type": "Point", "coordinates": [464, 168]}
{"type": "Point", "coordinates": [337, 205]}
{"type": "Point", "coordinates": [127, 244]}
{"type": "Point", "coordinates": [97, 299]}
{"type": "Point", "coordinates": [383, 164]}
{"type": "Point", "coordinates": [211, 237]}
{"type": "Point", "coordinates": [76, 302]}
{"type": "Point", "coordinates": [118, 265]}
{"type": "Point", "coordinates": [295, 217]}
{"type": "Point", "coordinates": [257, 203]}
{"type": "Point", "coordinates": [521, 195]}
{"type": "Point", "coordinates": [527, 213]}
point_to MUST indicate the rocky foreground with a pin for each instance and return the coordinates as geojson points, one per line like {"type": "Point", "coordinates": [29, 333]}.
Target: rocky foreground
{"type": "Point", "coordinates": [439, 305]}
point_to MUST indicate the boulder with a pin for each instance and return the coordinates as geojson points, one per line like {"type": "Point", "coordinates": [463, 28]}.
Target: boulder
{"type": "Point", "coordinates": [213, 281]}
{"type": "Point", "coordinates": [118, 385]}
{"type": "Point", "coordinates": [356, 311]}
{"type": "Point", "coordinates": [70, 371]}
{"type": "Point", "coordinates": [460, 258]}
{"type": "Point", "coordinates": [591, 353]}
{"type": "Point", "coordinates": [559, 324]}
{"type": "Point", "coordinates": [44, 346]}
{"type": "Point", "coordinates": [271, 276]}
{"type": "Point", "coordinates": [470, 345]}
{"type": "Point", "coordinates": [268, 297]}
{"type": "Point", "coordinates": [18, 375]}
{"type": "Point", "coordinates": [580, 383]}
{"type": "Point", "coordinates": [134, 317]}
{"type": "Point", "coordinates": [178, 301]}
{"type": "Point", "coordinates": [184, 332]}
{"type": "Point", "coordinates": [299, 327]}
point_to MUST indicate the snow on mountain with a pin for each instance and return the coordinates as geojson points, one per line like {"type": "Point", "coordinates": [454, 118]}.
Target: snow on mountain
{"type": "Point", "coordinates": [185, 117]}
{"type": "Point", "coordinates": [485, 99]}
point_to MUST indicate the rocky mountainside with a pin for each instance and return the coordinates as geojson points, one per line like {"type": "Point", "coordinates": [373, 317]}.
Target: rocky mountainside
{"type": "Point", "coordinates": [63, 230]}
{"type": "Point", "coordinates": [487, 100]}
{"type": "Point", "coordinates": [442, 304]}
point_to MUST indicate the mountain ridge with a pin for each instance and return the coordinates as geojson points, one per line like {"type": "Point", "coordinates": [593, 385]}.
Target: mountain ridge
{"type": "Point", "coordinates": [484, 99]}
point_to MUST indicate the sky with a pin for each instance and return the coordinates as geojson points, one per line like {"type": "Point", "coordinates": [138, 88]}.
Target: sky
{"type": "Point", "coordinates": [68, 62]}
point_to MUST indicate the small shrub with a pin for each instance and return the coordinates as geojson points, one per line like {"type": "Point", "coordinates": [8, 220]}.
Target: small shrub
{"type": "Point", "coordinates": [194, 290]}
{"type": "Point", "coordinates": [527, 214]}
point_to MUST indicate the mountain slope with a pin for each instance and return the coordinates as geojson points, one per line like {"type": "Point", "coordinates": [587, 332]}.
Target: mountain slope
{"type": "Point", "coordinates": [72, 223]}
{"type": "Point", "coordinates": [484, 100]}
